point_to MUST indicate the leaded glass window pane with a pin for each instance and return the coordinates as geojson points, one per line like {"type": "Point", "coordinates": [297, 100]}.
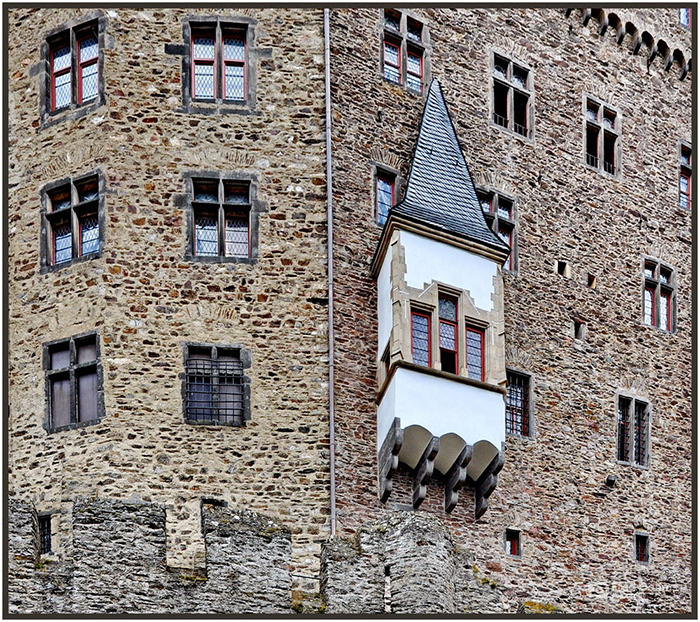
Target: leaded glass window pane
{"type": "Point", "coordinates": [413, 64]}
{"type": "Point", "coordinates": [203, 47]}
{"type": "Point", "coordinates": [206, 191]}
{"type": "Point", "coordinates": [234, 48]}
{"type": "Point", "coordinates": [649, 307]}
{"type": "Point", "coordinates": [62, 243]}
{"type": "Point", "coordinates": [517, 404]}
{"type": "Point", "coordinates": [235, 82]}
{"type": "Point", "coordinates": [237, 236]}
{"type": "Point", "coordinates": [474, 354]}
{"type": "Point", "coordinates": [206, 236]}
{"type": "Point", "coordinates": [60, 199]}
{"type": "Point", "coordinates": [385, 194]}
{"type": "Point", "coordinates": [204, 81]}
{"type": "Point", "coordinates": [420, 333]}
{"type": "Point", "coordinates": [448, 335]}
{"type": "Point", "coordinates": [448, 309]}
{"type": "Point", "coordinates": [236, 193]}
{"type": "Point", "coordinates": [88, 48]}
{"type": "Point", "coordinates": [63, 90]}
{"type": "Point", "coordinates": [505, 209]}
{"type": "Point", "coordinates": [623, 422]}
{"type": "Point", "coordinates": [89, 85]}
{"type": "Point", "coordinates": [61, 58]}
{"type": "Point", "coordinates": [391, 62]}
{"type": "Point", "coordinates": [414, 82]}
{"type": "Point", "coordinates": [89, 234]}
{"type": "Point", "coordinates": [664, 315]}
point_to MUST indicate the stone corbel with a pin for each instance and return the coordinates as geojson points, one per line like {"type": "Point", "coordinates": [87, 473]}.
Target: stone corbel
{"type": "Point", "coordinates": [486, 484]}
{"type": "Point", "coordinates": [455, 478]}
{"type": "Point", "coordinates": [424, 469]}
{"type": "Point", "coordinates": [388, 459]}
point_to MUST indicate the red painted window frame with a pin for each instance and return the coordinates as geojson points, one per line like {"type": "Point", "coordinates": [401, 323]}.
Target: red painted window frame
{"type": "Point", "coordinates": [203, 61]}
{"type": "Point", "coordinates": [455, 325]}
{"type": "Point", "coordinates": [430, 335]}
{"type": "Point", "coordinates": [82, 64]}
{"type": "Point", "coordinates": [482, 334]}
{"type": "Point", "coordinates": [239, 63]}
{"type": "Point", "coordinates": [398, 57]}
{"type": "Point", "coordinates": [410, 73]}
{"type": "Point", "coordinates": [392, 182]}
{"type": "Point", "coordinates": [243, 216]}
{"type": "Point", "coordinates": [68, 70]}
{"type": "Point", "coordinates": [513, 542]}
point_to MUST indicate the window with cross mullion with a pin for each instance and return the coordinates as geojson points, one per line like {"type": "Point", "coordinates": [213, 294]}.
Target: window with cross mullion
{"type": "Point", "coordinates": [659, 295]}
{"type": "Point", "coordinates": [499, 212]}
{"type": "Point", "coordinates": [602, 137]}
{"type": "Point", "coordinates": [512, 94]}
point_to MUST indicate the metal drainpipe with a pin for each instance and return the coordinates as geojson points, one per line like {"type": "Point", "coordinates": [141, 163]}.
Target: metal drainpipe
{"type": "Point", "coordinates": [329, 217]}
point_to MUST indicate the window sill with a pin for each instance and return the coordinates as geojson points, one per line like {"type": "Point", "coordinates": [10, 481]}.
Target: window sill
{"type": "Point", "coordinates": [521, 437]}
{"type": "Point", "coordinates": [217, 424]}
{"type": "Point", "coordinates": [641, 467]}
{"type": "Point", "coordinates": [663, 331]}
{"type": "Point", "coordinates": [220, 260]}
{"type": "Point", "coordinates": [527, 139]}
{"type": "Point", "coordinates": [616, 175]}
{"type": "Point", "coordinates": [60, 266]}
{"type": "Point", "coordinates": [217, 106]}
{"type": "Point", "coordinates": [404, 87]}
{"type": "Point", "coordinates": [74, 112]}
{"type": "Point", "coordinates": [73, 426]}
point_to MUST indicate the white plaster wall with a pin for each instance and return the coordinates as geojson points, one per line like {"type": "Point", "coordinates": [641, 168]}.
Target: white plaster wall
{"type": "Point", "coordinates": [442, 406]}
{"type": "Point", "coordinates": [384, 302]}
{"type": "Point", "coordinates": [428, 260]}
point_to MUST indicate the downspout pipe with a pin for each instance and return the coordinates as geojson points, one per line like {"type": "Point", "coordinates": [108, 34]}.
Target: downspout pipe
{"type": "Point", "coordinates": [329, 218]}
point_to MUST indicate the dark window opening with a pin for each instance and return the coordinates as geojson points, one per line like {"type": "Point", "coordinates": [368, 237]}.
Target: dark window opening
{"type": "Point", "coordinates": [641, 548]}
{"type": "Point", "coordinates": [214, 386]}
{"type": "Point", "coordinates": [414, 30]}
{"type": "Point", "coordinates": [392, 19]}
{"type": "Point", "coordinates": [579, 330]}
{"type": "Point", "coordinates": [500, 104]}
{"type": "Point", "coordinates": [518, 404]}
{"type": "Point", "coordinates": [592, 146]}
{"type": "Point", "coordinates": [633, 431]}
{"type": "Point", "coordinates": [562, 268]}
{"type": "Point", "coordinates": [591, 281]}
{"type": "Point", "coordinates": [513, 542]}
{"type": "Point", "coordinates": [685, 177]}
{"type": "Point", "coordinates": [73, 381]}
{"type": "Point", "coordinates": [609, 141]}
{"type": "Point", "coordinates": [499, 212]}
{"type": "Point", "coordinates": [45, 535]}
{"type": "Point", "coordinates": [511, 96]}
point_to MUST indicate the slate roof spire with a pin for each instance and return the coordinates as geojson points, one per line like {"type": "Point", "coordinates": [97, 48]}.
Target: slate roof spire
{"type": "Point", "coordinates": [440, 190]}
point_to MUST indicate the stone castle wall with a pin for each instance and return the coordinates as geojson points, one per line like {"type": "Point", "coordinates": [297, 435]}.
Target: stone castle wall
{"type": "Point", "coordinates": [552, 486]}
{"type": "Point", "coordinates": [145, 300]}
{"type": "Point", "coordinates": [136, 480]}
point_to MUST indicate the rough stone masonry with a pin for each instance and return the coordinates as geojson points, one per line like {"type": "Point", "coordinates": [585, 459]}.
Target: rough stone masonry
{"type": "Point", "coordinates": [151, 514]}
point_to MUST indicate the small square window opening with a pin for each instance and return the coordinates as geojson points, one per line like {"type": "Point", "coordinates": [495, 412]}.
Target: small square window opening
{"type": "Point", "coordinates": [513, 543]}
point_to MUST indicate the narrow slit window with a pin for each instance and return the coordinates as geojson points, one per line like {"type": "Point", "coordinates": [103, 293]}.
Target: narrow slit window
{"type": "Point", "coordinates": [385, 189]}
{"type": "Point", "coordinates": [641, 548]}
{"type": "Point", "coordinates": [685, 177]}
{"type": "Point", "coordinates": [45, 546]}
{"type": "Point", "coordinates": [633, 431]}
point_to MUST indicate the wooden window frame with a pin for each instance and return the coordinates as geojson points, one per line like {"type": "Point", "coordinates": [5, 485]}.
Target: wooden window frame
{"type": "Point", "coordinates": [482, 333]}
{"type": "Point", "coordinates": [74, 214]}
{"type": "Point", "coordinates": [598, 125]}
{"type": "Point", "coordinates": [82, 64]}
{"type": "Point", "coordinates": [659, 286]}
{"type": "Point", "coordinates": [497, 222]}
{"type": "Point", "coordinates": [54, 74]}
{"type": "Point", "coordinates": [526, 418]}
{"type": "Point", "coordinates": [196, 61]}
{"type": "Point", "coordinates": [630, 437]}
{"type": "Point", "coordinates": [428, 316]}
{"type": "Point", "coordinates": [230, 34]}
{"type": "Point", "coordinates": [404, 44]}
{"type": "Point", "coordinates": [512, 87]}
{"type": "Point", "coordinates": [73, 371]}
